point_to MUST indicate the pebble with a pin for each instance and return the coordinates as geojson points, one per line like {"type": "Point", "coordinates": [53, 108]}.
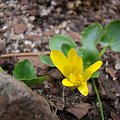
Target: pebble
{"type": "Point", "coordinates": [1, 14]}
{"type": "Point", "coordinates": [57, 31]}
{"type": "Point", "coordinates": [63, 25]}
{"type": "Point", "coordinates": [28, 42]}
{"type": "Point", "coordinates": [53, 3]}
{"type": "Point", "coordinates": [117, 65]}
{"type": "Point", "coordinates": [35, 50]}
{"type": "Point", "coordinates": [32, 18]}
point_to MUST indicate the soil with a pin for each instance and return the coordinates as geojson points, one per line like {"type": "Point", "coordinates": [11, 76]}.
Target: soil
{"type": "Point", "coordinates": [26, 27]}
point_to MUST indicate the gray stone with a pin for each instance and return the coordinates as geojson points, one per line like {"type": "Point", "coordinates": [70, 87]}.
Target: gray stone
{"type": "Point", "coordinates": [19, 102]}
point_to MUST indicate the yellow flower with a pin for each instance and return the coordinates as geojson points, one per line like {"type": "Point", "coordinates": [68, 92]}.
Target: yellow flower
{"type": "Point", "coordinates": [72, 68]}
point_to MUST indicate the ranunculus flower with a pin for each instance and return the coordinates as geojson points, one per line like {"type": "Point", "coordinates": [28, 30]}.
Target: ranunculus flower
{"type": "Point", "coordinates": [73, 70]}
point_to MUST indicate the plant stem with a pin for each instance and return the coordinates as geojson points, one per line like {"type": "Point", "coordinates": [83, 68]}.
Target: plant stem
{"type": "Point", "coordinates": [103, 51]}
{"type": "Point", "coordinates": [98, 97]}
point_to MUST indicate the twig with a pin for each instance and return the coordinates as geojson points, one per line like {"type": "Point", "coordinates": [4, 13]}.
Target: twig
{"type": "Point", "coordinates": [24, 54]}
{"type": "Point", "coordinates": [63, 97]}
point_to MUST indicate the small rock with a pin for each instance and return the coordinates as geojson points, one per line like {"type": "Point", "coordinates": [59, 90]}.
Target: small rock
{"type": "Point", "coordinates": [8, 13]}
{"type": "Point", "coordinates": [63, 25]}
{"type": "Point", "coordinates": [71, 6]}
{"type": "Point", "coordinates": [117, 65]}
{"type": "Point", "coordinates": [19, 28]}
{"type": "Point", "coordinates": [57, 31]}
{"type": "Point", "coordinates": [19, 102]}
{"type": "Point", "coordinates": [28, 42]}
{"type": "Point", "coordinates": [53, 3]}
{"type": "Point", "coordinates": [1, 14]}
{"type": "Point", "coordinates": [32, 18]}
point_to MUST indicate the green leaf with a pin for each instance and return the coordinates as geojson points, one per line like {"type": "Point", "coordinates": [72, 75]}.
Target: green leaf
{"type": "Point", "coordinates": [111, 36]}
{"type": "Point", "coordinates": [58, 42]}
{"type": "Point", "coordinates": [46, 60]}
{"type": "Point", "coordinates": [92, 35]}
{"type": "Point", "coordinates": [96, 75]}
{"type": "Point", "coordinates": [89, 56]}
{"type": "Point", "coordinates": [24, 70]}
{"type": "Point", "coordinates": [1, 70]}
{"type": "Point", "coordinates": [66, 48]}
{"type": "Point", "coordinates": [35, 81]}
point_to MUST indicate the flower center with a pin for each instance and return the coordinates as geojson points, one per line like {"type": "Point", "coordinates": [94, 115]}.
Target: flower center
{"type": "Point", "coordinates": [75, 79]}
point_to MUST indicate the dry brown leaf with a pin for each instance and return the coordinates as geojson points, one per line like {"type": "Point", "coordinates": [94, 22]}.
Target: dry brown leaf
{"type": "Point", "coordinates": [33, 37]}
{"type": "Point", "coordinates": [35, 60]}
{"type": "Point", "coordinates": [19, 28]}
{"type": "Point", "coordinates": [115, 116]}
{"type": "Point", "coordinates": [76, 36]}
{"type": "Point", "coordinates": [111, 72]}
{"type": "Point", "coordinates": [79, 110]}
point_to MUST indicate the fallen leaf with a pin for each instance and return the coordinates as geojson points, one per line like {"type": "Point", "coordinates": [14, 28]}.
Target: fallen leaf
{"type": "Point", "coordinates": [33, 37]}
{"type": "Point", "coordinates": [35, 60]}
{"type": "Point", "coordinates": [111, 72]}
{"type": "Point", "coordinates": [53, 90]}
{"type": "Point", "coordinates": [76, 36]}
{"type": "Point", "coordinates": [79, 110]}
{"type": "Point", "coordinates": [111, 87]}
{"type": "Point", "coordinates": [19, 28]}
{"type": "Point", "coordinates": [56, 74]}
{"type": "Point", "coordinates": [115, 116]}
{"type": "Point", "coordinates": [57, 102]}
{"type": "Point", "coordinates": [48, 33]}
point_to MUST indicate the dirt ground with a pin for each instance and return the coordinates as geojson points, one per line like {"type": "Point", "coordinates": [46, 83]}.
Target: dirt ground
{"type": "Point", "coordinates": [26, 27]}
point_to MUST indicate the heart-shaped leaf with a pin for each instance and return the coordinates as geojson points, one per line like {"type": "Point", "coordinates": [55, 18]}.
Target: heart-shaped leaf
{"type": "Point", "coordinates": [46, 60]}
{"type": "Point", "coordinates": [111, 36]}
{"type": "Point", "coordinates": [66, 48]}
{"type": "Point", "coordinates": [35, 81]}
{"type": "Point", "coordinates": [24, 70]}
{"type": "Point", "coordinates": [58, 41]}
{"type": "Point", "coordinates": [91, 35]}
{"type": "Point", "coordinates": [89, 56]}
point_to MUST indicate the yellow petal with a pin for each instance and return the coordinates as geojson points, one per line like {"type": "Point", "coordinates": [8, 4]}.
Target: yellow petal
{"type": "Point", "coordinates": [67, 83]}
{"type": "Point", "coordinates": [79, 65]}
{"type": "Point", "coordinates": [75, 61]}
{"type": "Point", "coordinates": [73, 78]}
{"type": "Point", "coordinates": [83, 89]}
{"type": "Point", "coordinates": [61, 62]}
{"type": "Point", "coordinates": [72, 56]}
{"type": "Point", "coordinates": [90, 70]}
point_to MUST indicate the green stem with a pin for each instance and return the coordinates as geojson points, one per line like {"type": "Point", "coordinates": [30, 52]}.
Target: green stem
{"type": "Point", "coordinates": [103, 51]}
{"type": "Point", "coordinates": [98, 97]}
